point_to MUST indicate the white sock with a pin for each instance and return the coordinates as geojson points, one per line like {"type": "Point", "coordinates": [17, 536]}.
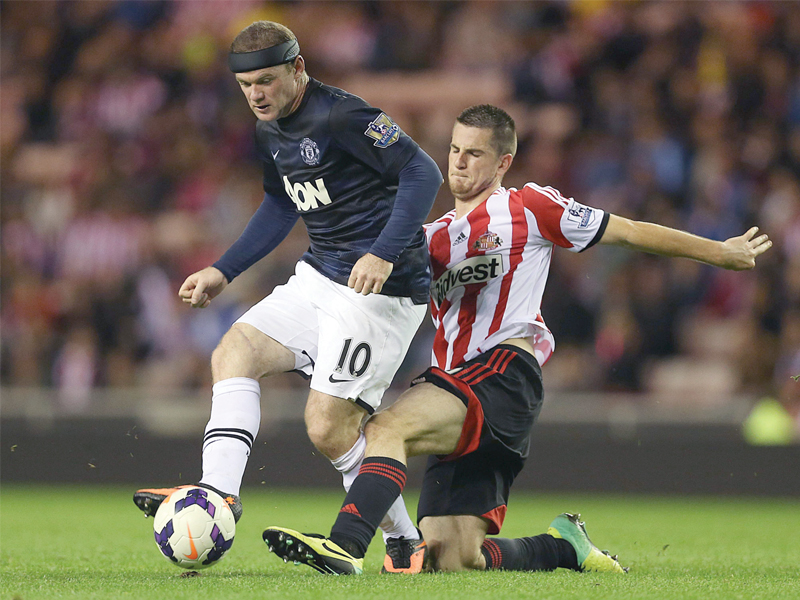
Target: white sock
{"type": "Point", "coordinates": [349, 463]}
{"type": "Point", "coordinates": [396, 523]}
{"type": "Point", "coordinates": [230, 433]}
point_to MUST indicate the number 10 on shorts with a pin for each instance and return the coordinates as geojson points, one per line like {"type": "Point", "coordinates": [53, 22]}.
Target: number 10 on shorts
{"type": "Point", "coordinates": [359, 358]}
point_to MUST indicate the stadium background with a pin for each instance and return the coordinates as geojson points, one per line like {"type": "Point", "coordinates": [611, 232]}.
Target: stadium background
{"type": "Point", "coordinates": [127, 163]}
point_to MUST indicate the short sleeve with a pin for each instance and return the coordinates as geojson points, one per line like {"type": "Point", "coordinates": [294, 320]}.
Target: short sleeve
{"type": "Point", "coordinates": [370, 136]}
{"type": "Point", "coordinates": [563, 221]}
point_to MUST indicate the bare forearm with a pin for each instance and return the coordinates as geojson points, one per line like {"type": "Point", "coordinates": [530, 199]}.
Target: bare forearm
{"type": "Point", "coordinates": [734, 253]}
{"type": "Point", "coordinates": [657, 239]}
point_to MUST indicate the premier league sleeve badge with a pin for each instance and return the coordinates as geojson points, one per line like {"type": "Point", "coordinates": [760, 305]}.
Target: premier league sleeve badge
{"type": "Point", "coordinates": [383, 130]}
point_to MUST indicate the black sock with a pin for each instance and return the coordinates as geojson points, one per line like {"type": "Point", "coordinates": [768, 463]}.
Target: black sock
{"type": "Point", "coordinates": [380, 481]}
{"type": "Point", "coordinates": [540, 553]}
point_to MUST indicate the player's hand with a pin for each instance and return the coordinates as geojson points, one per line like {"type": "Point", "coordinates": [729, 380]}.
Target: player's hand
{"type": "Point", "coordinates": [369, 274]}
{"type": "Point", "coordinates": [199, 288]}
{"type": "Point", "coordinates": [739, 253]}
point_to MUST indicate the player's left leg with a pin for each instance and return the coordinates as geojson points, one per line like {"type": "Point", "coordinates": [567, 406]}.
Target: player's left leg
{"type": "Point", "coordinates": [333, 424]}
{"type": "Point", "coordinates": [362, 342]}
{"type": "Point", "coordinates": [425, 419]}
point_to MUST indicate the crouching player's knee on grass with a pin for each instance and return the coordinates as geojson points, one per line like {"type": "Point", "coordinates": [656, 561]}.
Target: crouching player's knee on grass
{"type": "Point", "coordinates": [454, 543]}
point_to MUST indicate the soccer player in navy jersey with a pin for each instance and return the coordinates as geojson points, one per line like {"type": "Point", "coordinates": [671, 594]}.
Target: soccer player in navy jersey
{"type": "Point", "coordinates": [346, 318]}
{"type": "Point", "coordinates": [474, 409]}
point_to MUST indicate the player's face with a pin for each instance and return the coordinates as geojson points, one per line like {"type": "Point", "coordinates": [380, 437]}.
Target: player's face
{"type": "Point", "coordinates": [473, 164]}
{"type": "Point", "coordinates": [273, 93]}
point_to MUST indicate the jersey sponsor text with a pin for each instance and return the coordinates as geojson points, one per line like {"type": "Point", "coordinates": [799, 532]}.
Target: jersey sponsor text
{"type": "Point", "coordinates": [307, 195]}
{"type": "Point", "coordinates": [477, 269]}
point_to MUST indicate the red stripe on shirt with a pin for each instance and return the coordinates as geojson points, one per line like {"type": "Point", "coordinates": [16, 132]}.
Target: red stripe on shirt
{"type": "Point", "coordinates": [439, 250]}
{"type": "Point", "coordinates": [519, 237]}
{"type": "Point", "coordinates": [548, 214]}
{"type": "Point", "coordinates": [478, 220]}
{"type": "Point", "coordinates": [439, 341]}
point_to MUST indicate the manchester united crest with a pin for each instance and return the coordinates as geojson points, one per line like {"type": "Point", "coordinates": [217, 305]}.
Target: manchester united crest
{"type": "Point", "coordinates": [309, 151]}
{"type": "Point", "coordinates": [488, 241]}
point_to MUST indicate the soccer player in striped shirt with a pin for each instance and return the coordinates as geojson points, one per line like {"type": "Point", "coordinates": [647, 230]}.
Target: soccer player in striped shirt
{"type": "Point", "coordinates": [473, 410]}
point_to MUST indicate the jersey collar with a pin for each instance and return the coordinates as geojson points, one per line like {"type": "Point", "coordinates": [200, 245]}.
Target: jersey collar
{"type": "Point", "coordinates": [312, 85]}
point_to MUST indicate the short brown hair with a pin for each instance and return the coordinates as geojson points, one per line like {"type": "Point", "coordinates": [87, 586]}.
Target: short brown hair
{"type": "Point", "coordinates": [486, 116]}
{"type": "Point", "coordinates": [260, 35]}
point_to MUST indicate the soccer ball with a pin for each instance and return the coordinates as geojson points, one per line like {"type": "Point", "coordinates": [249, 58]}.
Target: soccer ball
{"type": "Point", "coordinates": [194, 527]}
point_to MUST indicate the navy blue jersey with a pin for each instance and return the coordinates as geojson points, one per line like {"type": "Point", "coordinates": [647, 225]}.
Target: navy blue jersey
{"type": "Point", "coordinates": [336, 159]}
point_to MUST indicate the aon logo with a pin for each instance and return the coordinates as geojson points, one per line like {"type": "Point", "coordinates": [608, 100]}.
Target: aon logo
{"type": "Point", "coordinates": [307, 196]}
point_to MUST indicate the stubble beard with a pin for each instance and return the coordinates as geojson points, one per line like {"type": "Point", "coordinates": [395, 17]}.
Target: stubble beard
{"type": "Point", "coordinates": [467, 193]}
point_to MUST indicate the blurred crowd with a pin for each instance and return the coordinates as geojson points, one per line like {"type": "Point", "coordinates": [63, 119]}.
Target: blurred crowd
{"type": "Point", "coordinates": [128, 163]}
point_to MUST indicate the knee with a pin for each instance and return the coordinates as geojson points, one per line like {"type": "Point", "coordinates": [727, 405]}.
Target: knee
{"type": "Point", "coordinates": [233, 357]}
{"type": "Point", "coordinates": [331, 438]}
{"type": "Point", "coordinates": [451, 558]}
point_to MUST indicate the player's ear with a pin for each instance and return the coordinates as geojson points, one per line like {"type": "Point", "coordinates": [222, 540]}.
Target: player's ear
{"type": "Point", "coordinates": [299, 65]}
{"type": "Point", "coordinates": [505, 164]}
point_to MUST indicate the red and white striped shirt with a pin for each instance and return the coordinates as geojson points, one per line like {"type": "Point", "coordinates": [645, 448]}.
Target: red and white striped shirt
{"type": "Point", "coordinates": [490, 267]}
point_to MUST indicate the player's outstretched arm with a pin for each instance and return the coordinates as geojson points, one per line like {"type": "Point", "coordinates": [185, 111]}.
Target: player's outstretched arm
{"type": "Point", "coordinates": [737, 253]}
{"type": "Point", "coordinates": [199, 288]}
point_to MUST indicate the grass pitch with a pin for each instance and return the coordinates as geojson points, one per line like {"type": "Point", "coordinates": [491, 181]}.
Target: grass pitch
{"type": "Point", "coordinates": [91, 542]}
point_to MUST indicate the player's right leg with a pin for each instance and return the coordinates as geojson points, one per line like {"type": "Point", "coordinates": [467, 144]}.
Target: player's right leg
{"type": "Point", "coordinates": [272, 337]}
{"type": "Point", "coordinates": [149, 499]}
{"type": "Point", "coordinates": [241, 358]}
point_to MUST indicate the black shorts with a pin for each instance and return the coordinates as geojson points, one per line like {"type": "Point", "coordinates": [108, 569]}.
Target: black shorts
{"type": "Point", "coordinates": [502, 390]}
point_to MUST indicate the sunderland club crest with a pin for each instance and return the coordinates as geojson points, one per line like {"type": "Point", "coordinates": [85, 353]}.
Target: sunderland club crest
{"type": "Point", "coordinates": [488, 241]}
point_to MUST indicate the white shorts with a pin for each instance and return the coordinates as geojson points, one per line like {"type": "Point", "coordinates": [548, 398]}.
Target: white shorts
{"type": "Point", "coordinates": [350, 345]}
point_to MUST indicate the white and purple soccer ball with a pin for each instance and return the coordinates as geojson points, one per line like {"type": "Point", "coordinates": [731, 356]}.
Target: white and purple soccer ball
{"type": "Point", "coordinates": [194, 528]}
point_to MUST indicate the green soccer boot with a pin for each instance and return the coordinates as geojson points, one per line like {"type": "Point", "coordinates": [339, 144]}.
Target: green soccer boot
{"type": "Point", "coordinates": [569, 527]}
